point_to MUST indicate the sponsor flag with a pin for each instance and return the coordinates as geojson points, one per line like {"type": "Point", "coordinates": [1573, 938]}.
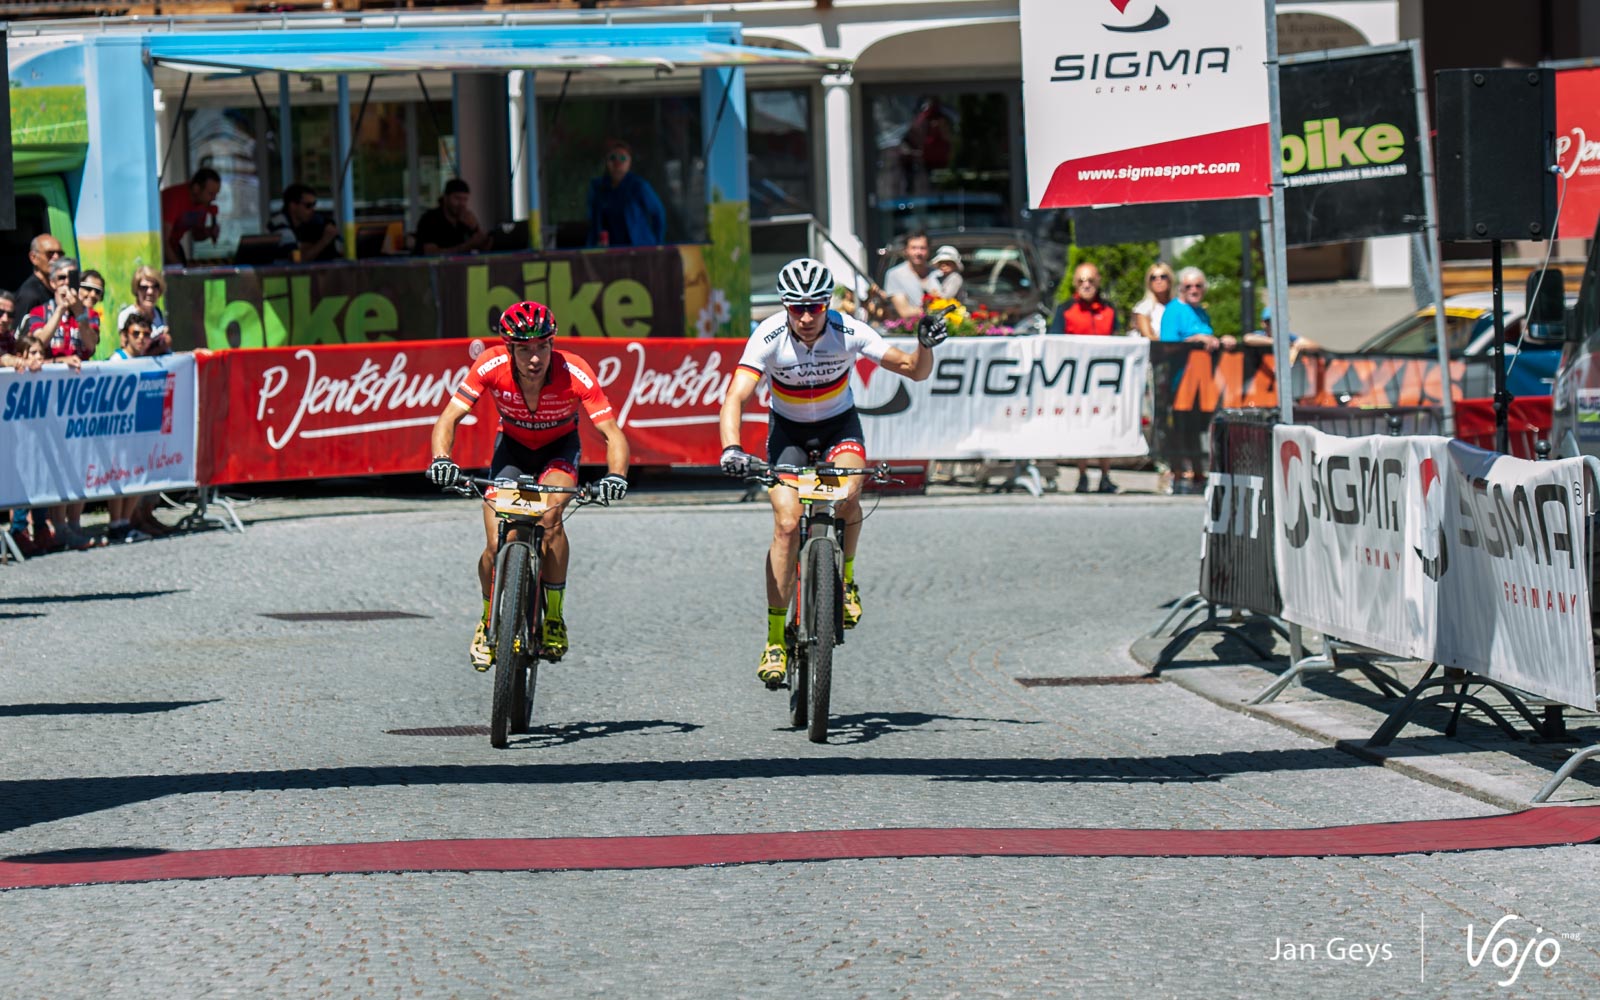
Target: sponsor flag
{"type": "Point", "coordinates": [1131, 101]}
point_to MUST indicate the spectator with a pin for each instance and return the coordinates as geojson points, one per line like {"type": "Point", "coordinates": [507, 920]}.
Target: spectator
{"type": "Point", "coordinates": [846, 303]}
{"type": "Point", "coordinates": [908, 281]}
{"type": "Point", "coordinates": [190, 209]}
{"type": "Point", "coordinates": [36, 290]}
{"type": "Point", "coordinates": [12, 352]}
{"type": "Point", "coordinates": [148, 286]}
{"type": "Point", "coordinates": [92, 289]}
{"type": "Point", "coordinates": [66, 325]}
{"type": "Point", "coordinates": [1087, 314]}
{"type": "Point", "coordinates": [1263, 338]}
{"type": "Point", "coordinates": [947, 273]}
{"type": "Point", "coordinates": [133, 517]}
{"type": "Point", "coordinates": [301, 229]}
{"type": "Point", "coordinates": [623, 208]}
{"type": "Point", "coordinates": [451, 228]}
{"type": "Point", "coordinates": [1187, 321]}
{"type": "Point", "coordinates": [1158, 289]}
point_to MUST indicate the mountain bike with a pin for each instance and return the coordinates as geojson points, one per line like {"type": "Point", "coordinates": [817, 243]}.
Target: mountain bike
{"type": "Point", "coordinates": [816, 614]}
{"type": "Point", "coordinates": [516, 606]}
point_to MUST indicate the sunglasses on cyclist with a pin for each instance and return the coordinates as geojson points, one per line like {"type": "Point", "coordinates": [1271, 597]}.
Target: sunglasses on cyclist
{"type": "Point", "coordinates": [809, 308]}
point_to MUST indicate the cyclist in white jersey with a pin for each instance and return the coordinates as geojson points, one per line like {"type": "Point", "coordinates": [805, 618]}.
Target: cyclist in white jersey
{"type": "Point", "coordinates": [805, 353]}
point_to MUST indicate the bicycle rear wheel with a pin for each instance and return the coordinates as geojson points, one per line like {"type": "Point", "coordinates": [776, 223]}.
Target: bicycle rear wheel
{"type": "Point", "coordinates": [822, 584]}
{"type": "Point", "coordinates": [511, 638]}
{"type": "Point", "coordinates": [525, 681]}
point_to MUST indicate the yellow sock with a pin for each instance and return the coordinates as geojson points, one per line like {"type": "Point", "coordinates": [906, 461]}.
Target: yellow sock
{"type": "Point", "coordinates": [485, 610]}
{"type": "Point", "coordinates": [775, 625]}
{"type": "Point", "coordinates": [850, 570]}
{"type": "Point", "coordinates": [553, 595]}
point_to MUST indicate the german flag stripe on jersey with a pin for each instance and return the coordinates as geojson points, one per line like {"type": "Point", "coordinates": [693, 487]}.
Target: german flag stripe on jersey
{"type": "Point", "coordinates": [812, 394]}
{"type": "Point", "coordinates": [752, 369]}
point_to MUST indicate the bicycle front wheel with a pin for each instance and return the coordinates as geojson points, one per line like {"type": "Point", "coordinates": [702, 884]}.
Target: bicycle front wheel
{"type": "Point", "coordinates": [511, 636]}
{"type": "Point", "coordinates": [822, 583]}
{"type": "Point", "coordinates": [526, 680]}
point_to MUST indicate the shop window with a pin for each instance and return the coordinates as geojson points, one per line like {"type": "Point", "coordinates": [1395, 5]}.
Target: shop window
{"type": "Point", "coordinates": [664, 133]}
{"type": "Point", "coordinates": [779, 143]}
{"type": "Point", "coordinates": [940, 159]}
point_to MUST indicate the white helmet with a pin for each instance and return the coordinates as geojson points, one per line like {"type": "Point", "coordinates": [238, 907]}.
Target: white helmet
{"type": "Point", "coordinates": [804, 281]}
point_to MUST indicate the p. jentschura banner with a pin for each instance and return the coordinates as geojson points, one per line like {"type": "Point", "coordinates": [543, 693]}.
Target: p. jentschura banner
{"type": "Point", "coordinates": [115, 428]}
{"type": "Point", "coordinates": [1131, 101]}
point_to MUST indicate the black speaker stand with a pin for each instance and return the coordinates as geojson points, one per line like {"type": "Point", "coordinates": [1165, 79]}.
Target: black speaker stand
{"type": "Point", "coordinates": [1502, 398]}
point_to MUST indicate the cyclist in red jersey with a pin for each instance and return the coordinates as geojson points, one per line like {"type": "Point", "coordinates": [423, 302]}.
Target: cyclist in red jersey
{"type": "Point", "coordinates": [538, 392]}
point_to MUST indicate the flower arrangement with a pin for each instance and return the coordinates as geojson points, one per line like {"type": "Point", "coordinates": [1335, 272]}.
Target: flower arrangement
{"type": "Point", "coordinates": [980, 322]}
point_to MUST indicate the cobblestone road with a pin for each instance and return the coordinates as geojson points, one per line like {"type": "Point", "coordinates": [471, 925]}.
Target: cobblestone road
{"type": "Point", "coordinates": [147, 703]}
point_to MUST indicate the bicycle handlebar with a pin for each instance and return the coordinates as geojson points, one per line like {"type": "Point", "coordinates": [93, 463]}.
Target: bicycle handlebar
{"type": "Point", "coordinates": [469, 486]}
{"type": "Point", "coordinates": [761, 472]}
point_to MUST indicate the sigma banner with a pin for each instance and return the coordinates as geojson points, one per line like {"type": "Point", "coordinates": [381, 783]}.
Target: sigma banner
{"type": "Point", "coordinates": [115, 428]}
{"type": "Point", "coordinates": [1351, 163]}
{"type": "Point", "coordinates": [1430, 548]}
{"type": "Point", "coordinates": [1011, 397]}
{"type": "Point", "coordinates": [1578, 150]}
{"type": "Point", "coordinates": [1132, 101]}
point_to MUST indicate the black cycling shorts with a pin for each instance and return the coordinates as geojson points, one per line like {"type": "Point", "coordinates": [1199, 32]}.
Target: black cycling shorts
{"type": "Point", "coordinates": [513, 459]}
{"type": "Point", "coordinates": [789, 441]}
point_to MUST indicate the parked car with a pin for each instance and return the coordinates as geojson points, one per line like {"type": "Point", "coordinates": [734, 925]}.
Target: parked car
{"type": "Point", "coordinates": [1469, 332]}
{"type": "Point", "coordinates": [1005, 271]}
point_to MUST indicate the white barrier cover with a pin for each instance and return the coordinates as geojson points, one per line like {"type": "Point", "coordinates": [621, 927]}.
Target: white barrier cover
{"type": "Point", "coordinates": [1427, 547]}
{"type": "Point", "coordinates": [1011, 397]}
{"type": "Point", "coordinates": [116, 427]}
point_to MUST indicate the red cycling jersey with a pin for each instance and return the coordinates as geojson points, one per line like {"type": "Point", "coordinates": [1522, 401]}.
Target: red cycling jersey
{"type": "Point", "coordinates": [569, 382]}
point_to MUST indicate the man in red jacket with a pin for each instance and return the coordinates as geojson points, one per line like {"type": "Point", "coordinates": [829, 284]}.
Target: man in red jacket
{"type": "Point", "coordinates": [1087, 314]}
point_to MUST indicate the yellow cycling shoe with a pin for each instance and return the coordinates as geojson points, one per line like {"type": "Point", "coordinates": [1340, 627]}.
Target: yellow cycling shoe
{"type": "Point", "coordinates": [553, 640]}
{"type": "Point", "coordinates": [480, 653]}
{"type": "Point", "coordinates": [852, 605]}
{"type": "Point", "coordinates": [774, 666]}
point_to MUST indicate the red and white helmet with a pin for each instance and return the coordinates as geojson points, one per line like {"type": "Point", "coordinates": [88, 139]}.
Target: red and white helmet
{"type": "Point", "coordinates": [527, 321]}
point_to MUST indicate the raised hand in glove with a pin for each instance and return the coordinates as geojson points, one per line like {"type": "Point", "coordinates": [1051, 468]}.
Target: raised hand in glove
{"type": "Point", "coordinates": [932, 330]}
{"type": "Point", "coordinates": [611, 487]}
{"type": "Point", "coordinates": [443, 473]}
{"type": "Point", "coordinates": [736, 461]}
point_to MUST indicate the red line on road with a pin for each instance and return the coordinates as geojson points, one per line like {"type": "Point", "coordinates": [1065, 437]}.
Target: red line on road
{"type": "Point", "coordinates": [1548, 827]}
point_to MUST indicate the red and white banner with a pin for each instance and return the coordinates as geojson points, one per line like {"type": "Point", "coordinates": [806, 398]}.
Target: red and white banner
{"type": "Point", "coordinates": [116, 428]}
{"type": "Point", "coordinates": [1431, 548]}
{"type": "Point", "coordinates": [1578, 150]}
{"type": "Point", "coordinates": [1133, 101]}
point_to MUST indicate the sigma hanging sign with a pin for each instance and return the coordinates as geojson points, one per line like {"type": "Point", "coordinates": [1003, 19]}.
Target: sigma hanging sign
{"type": "Point", "coordinates": [1351, 164]}
{"type": "Point", "coordinates": [1134, 101]}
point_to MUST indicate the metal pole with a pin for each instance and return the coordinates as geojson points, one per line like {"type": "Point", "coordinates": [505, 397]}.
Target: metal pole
{"type": "Point", "coordinates": [285, 133]}
{"type": "Point", "coordinates": [1502, 398]}
{"type": "Point", "coordinates": [1247, 283]}
{"type": "Point", "coordinates": [1278, 279]}
{"type": "Point", "coordinates": [1430, 202]}
{"type": "Point", "coordinates": [345, 192]}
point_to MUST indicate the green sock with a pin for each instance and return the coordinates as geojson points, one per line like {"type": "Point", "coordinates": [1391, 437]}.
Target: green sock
{"type": "Point", "coordinates": [850, 570]}
{"type": "Point", "coordinates": [485, 610]}
{"type": "Point", "coordinates": [776, 625]}
{"type": "Point", "coordinates": [553, 594]}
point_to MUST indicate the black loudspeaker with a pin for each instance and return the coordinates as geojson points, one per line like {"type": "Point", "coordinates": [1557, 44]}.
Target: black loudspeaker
{"type": "Point", "coordinates": [1496, 144]}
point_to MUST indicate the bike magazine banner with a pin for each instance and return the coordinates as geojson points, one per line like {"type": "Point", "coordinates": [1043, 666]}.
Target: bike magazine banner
{"type": "Point", "coordinates": [1430, 548]}
{"type": "Point", "coordinates": [1010, 397]}
{"type": "Point", "coordinates": [113, 429]}
{"type": "Point", "coordinates": [1351, 164]}
{"type": "Point", "coordinates": [1237, 565]}
{"type": "Point", "coordinates": [1131, 101]}
{"type": "Point", "coordinates": [1578, 150]}
{"type": "Point", "coordinates": [655, 292]}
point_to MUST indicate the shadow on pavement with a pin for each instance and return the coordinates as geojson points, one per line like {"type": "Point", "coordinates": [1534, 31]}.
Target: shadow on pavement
{"type": "Point", "coordinates": [126, 595]}
{"type": "Point", "coordinates": [541, 737]}
{"type": "Point", "coordinates": [73, 855]}
{"type": "Point", "coordinates": [98, 707]}
{"type": "Point", "coordinates": [868, 726]}
{"type": "Point", "coordinates": [26, 802]}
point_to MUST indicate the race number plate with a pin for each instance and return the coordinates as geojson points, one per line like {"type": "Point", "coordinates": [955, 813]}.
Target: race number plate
{"type": "Point", "coordinates": [824, 488]}
{"type": "Point", "coordinates": [511, 501]}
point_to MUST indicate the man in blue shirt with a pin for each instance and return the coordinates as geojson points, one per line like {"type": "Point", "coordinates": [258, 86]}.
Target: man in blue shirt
{"type": "Point", "coordinates": [623, 208]}
{"type": "Point", "coordinates": [1185, 319]}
